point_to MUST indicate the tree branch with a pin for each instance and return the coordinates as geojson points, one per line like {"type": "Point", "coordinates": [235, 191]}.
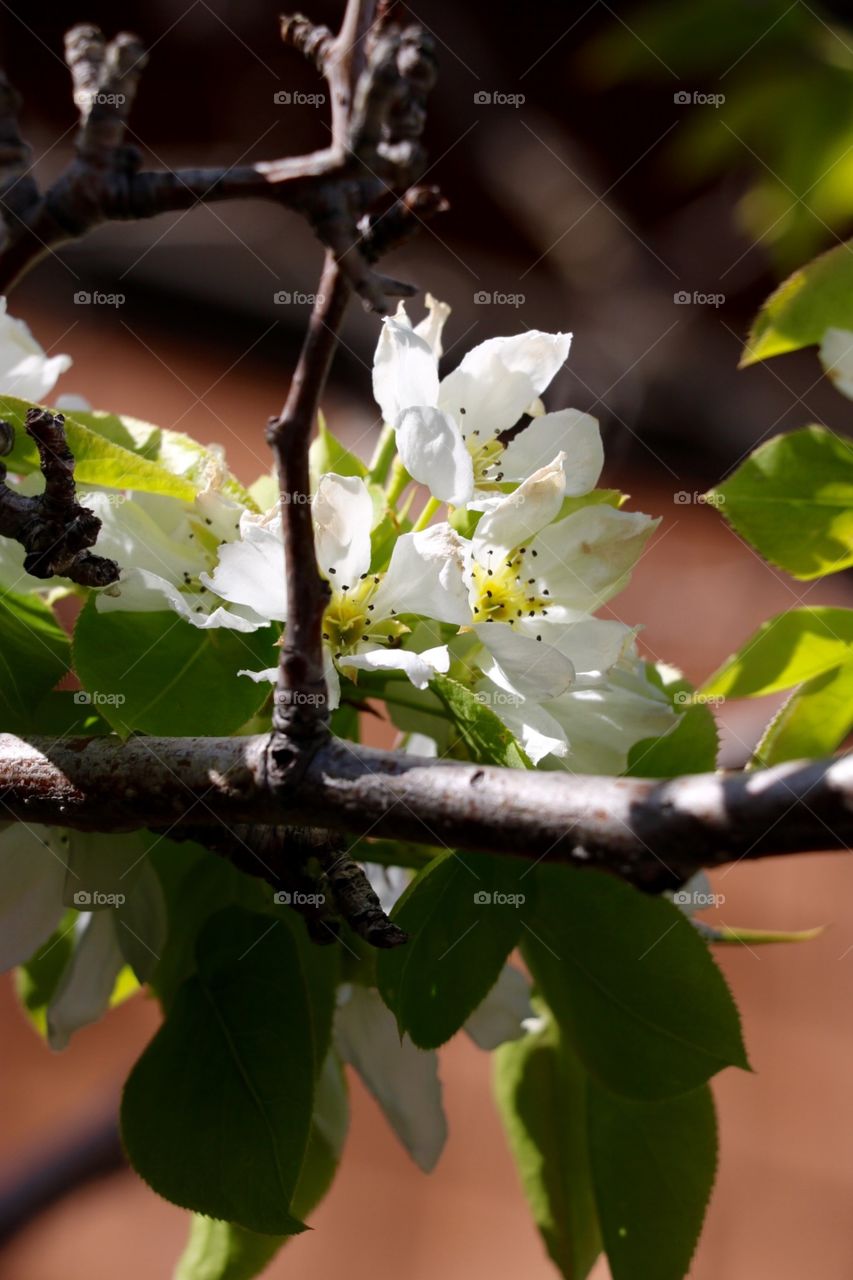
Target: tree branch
{"type": "Point", "coordinates": [653, 834]}
{"type": "Point", "coordinates": [54, 530]}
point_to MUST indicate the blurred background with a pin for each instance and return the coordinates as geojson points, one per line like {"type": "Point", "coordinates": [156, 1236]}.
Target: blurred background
{"type": "Point", "coordinates": [643, 175]}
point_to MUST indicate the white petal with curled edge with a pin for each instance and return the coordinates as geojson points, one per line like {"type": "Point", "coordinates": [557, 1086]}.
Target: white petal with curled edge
{"type": "Point", "coordinates": [85, 988]}
{"type": "Point", "coordinates": [592, 645]}
{"type": "Point", "coordinates": [425, 576]}
{"type": "Point", "coordinates": [588, 557]}
{"type": "Point", "coordinates": [501, 1016]}
{"type": "Point", "coordinates": [522, 664]}
{"type": "Point", "coordinates": [536, 729]}
{"type": "Point", "coordinates": [25, 370]}
{"type": "Point", "coordinates": [405, 370]}
{"type": "Point", "coordinates": [32, 877]}
{"type": "Point", "coordinates": [521, 514]}
{"type": "Point", "coordinates": [343, 516]}
{"type": "Point", "coordinates": [138, 538]}
{"type": "Point", "coordinates": [836, 356]}
{"type": "Point", "coordinates": [432, 326]}
{"type": "Point", "coordinates": [605, 717]}
{"type": "Point", "coordinates": [434, 453]}
{"type": "Point", "coordinates": [403, 1080]}
{"type": "Point", "coordinates": [496, 382]}
{"type": "Point", "coordinates": [419, 667]}
{"type": "Point", "coordinates": [251, 571]}
{"type": "Point", "coordinates": [568, 430]}
{"type": "Point", "coordinates": [143, 592]}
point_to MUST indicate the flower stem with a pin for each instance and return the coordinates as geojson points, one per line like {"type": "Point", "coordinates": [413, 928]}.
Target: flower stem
{"type": "Point", "coordinates": [383, 455]}
{"type": "Point", "coordinates": [426, 515]}
{"type": "Point", "coordinates": [400, 478]}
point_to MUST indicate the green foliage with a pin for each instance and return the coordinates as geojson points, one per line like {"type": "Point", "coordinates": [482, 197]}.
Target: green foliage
{"type": "Point", "coordinates": [462, 914]}
{"type": "Point", "coordinates": [631, 983]}
{"type": "Point", "coordinates": [792, 499]}
{"type": "Point", "coordinates": [814, 721]}
{"type": "Point", "coordinates": [484, 734]}
{"type": "Point", "coordinates": [216, 1113]}
{"type": "Point", "coordinates": [813, 299]}
{"type": "Point", "coordinates": [541, 1090]}
{"type": "Point", "coordinates": [653, 1167]}
{"type": "Point", "coordinates": [328, 454]}
{"type": "Point", "coordinates": [157, 673]}
{"type": "Point", "coordinates": [691, 747]}
{"type": "Point", "coordinates": [37, 980]}
{"type": "Point", "coordinates": [793, 647]}
{"type": "Point", "coordinates": [34, 656]}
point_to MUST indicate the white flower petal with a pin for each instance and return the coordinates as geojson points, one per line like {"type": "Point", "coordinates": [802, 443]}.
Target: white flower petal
{"type": "Point", "coordinates": [836, 356]}
{"type": "Point", "coordinates": [604, 718]}
{"type": "Point", "coordinates": [405, 370]}
{"type": "Point", "coordinates": [425, 577]}
{"type": "Point", "coordinates": [251, 572]}
{"type": "Point", "coordinates": [433, 452]}
{"type": "Point", "coordinates": [522, 664]}
{"type": "Point", "coordinates": [25, 370]}
{"type": "Point", "coordinates": [419, 667]}
{"type": "Point", "coordinates": [523, 513]}
{"type": "Point", "coordinates": [143, 592]}
{"type": "Point", "coordinates": [588, 557]}
{"type": "Point", "coordinates": [85, 988]}
{"type": "Point", "coordinates": [387, 883]}
{"type": "Point", "coordinates": [534, 727]}
{"type": "Point", "coordinates": [32, 876]}
{"type": "Point", "coordinates": [592, 645]}
{"type": "Point", "coordinates": [343, 516]}
{"type": "Point", "coordinates": [496, 382]}
{"type": "Point", "coordinates": [576, 434]}
{"type": "Point", "coordinates": [432, 326]}
{"type": "Point", "coordinates": [403, 1080]}
{"type": "Point", "coordinates": [501, 1016]}
{"type": "Point", "coordinates": [138, 538]}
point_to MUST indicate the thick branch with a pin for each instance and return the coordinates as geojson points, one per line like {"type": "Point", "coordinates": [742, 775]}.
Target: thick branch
{"type": "Point", "coordinates": [653, 834]}
{"type": "Point", "coordinates": [54, 530]}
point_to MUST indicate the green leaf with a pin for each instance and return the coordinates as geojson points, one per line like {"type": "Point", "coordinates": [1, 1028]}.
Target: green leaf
{"type": "Point", "coordinates": [98, 459]}
{"type": "Point", "coordinates": [485, 735]}
{"type": "Point", "coordinates": [815, 298]}
{"type": "Point", "coordinates": [653, 1167]}
{"type": "Point", "coordinates": [224, 1251]}
{"type": "Point", "coordinates": [814, 721]}
{"type": "Point", "coordinates": [34, 655]}
{"type": "Point", "coordinates": [632, 985]}
{"type": "Point", "coordinates": [792, 499]}
{"type": "Point", "coordinates": [462, 915]}
{"type": "Point", "coordinates": [735, 934]}
{"type": "Point", "coordinates": [328, 454]}
{"type": "Point", "coordinates": [37, 980]}
{"type": "Point", "coordinates": [793, 647]}
{"type": "Point", "coordinates": [156, 673]}
{"type": "Point", "coordinates": [217, 1111]}
{"type": "Point", "coordinates": [691, 747]}
{"type": "Point", "coordinates": [540, 1091]}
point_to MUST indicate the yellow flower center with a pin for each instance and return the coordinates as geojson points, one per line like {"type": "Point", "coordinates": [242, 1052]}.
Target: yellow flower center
{"type": "Point", "coordinates": [506, 588]}
{"type": "Point", "coordinates": [486, 458]}
{"type": "Point", "coordinates": [349, 616]}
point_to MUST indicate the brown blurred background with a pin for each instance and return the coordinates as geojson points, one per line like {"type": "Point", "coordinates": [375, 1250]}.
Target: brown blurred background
{"type": "Point", "coordinates": [588, 206]}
